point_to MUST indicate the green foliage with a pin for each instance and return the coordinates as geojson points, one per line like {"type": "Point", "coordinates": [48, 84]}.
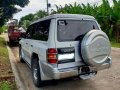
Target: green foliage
{"type": "Point", "coordinates": [107, 16]}
{"type": "Point", "coordinates": [3, 50]}
{"type": "Point", "coordinates": [26, 20]}
{"type": "Point", "coordinates": [40, 14]}
{"type": "Point", "coordinates": [8, 85]}
{"type": "Point", "coordinates": [114, 44]}
{"type": "Point", "coordinates": [2, 29]}
{"type": "Point", "coordinates": [7, 9]}
{"type": "Point", "coordinates": [6, 66]}
{"type": "Point", "coordinates": [5, 86]}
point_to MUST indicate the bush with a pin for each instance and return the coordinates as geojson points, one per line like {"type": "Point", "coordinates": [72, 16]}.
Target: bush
{"type": "Point", "coordinates": [2, 29]}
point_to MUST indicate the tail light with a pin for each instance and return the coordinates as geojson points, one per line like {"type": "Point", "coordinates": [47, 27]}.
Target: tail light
{"type": "Point", "coordinates": [52, 56]}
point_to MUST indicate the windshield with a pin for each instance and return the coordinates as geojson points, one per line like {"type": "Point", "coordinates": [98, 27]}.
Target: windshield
{"type": "Point", "coordinates": [74, 30]}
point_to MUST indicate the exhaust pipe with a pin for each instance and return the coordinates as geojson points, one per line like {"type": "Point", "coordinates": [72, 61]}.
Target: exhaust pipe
{"type": "Point", "coordinates": [85, 70]}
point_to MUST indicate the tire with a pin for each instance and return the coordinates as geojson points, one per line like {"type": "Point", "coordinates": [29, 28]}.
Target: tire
{"type": "Point", "coordinates": [20, 55]}
{"type": "Point", "coordinates": [36, 73]}
{"type": "Point", "coordinates": [95, 48]}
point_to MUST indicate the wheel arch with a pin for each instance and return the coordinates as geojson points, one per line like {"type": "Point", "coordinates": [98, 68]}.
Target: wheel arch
{"type": "Point", "coordinates": [33, 56]}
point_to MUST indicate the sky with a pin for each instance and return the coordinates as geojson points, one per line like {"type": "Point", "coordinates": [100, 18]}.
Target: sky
{"type": "Point", "coordinates": [36, 5]}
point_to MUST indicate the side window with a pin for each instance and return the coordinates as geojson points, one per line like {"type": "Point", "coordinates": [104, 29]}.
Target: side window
{"type": "Point", "coordinates": [41, 30]}
{"type": "Point", "coordinates": [29, 32]}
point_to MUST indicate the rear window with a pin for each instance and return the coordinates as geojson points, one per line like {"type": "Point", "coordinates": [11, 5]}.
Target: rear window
{"type": "Point", "coordinates": [74, 30]}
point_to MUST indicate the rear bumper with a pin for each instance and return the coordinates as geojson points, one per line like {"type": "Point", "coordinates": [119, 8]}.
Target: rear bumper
{"type": "Point", "coordinates": [65, 73]}
{"type": "Point", "coordinates": [55, 73]}
{"type": "Point", "coordinates": [105, 65]}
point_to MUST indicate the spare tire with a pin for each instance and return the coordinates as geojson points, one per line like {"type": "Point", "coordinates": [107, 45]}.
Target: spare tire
{"type": "Point", "coordinates": [95, 48]}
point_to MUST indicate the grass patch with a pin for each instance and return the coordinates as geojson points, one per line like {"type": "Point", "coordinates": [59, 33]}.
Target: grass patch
{"type": "Point", "coordinates": [5, 66]}
{"type": "Point", "coordinates": [115, 44]}
{"type": "Point", "coordinates": [3, 51]}
{"type": "Point", "coordinates": [6, 86]}
{"type": "Point", "coordinates": [7, 80]}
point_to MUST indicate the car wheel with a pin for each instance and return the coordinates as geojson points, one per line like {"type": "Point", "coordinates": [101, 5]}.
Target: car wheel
{"type": "Point", "coordinates": [21, 55]}
{"type": "Point", "coordinates": [36, 73]}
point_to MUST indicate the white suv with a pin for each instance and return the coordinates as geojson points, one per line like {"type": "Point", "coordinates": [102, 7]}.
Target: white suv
{"type": "Point", "coordinates": [65, 45]}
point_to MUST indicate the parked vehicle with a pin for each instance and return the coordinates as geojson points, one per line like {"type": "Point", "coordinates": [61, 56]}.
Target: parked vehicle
{"type": "Point", "coordinates": [14, 32]}
{"type": "Point", "coordinates": [65, 45]}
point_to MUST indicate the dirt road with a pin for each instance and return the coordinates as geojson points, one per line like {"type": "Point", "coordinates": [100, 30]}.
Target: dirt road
{"type": "Point", "coordinates": [105, 80]}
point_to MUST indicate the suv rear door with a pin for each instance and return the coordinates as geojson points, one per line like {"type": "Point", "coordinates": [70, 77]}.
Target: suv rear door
{"type": "Point", "coordinates": [69, 34]}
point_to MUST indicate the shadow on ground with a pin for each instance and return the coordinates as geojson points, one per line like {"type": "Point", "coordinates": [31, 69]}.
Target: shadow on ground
{"type": "Point", "coordinates": [13, 44]}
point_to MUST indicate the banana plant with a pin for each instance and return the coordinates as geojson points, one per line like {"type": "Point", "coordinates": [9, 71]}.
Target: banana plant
{"type": "Point", "coordinates": [107, 16]}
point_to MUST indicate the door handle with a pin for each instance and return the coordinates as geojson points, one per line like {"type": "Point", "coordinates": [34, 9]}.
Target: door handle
{"type": "Point", "coordinates": [31, 45]}
{"type": "Point", "coordinates": [26, 43]}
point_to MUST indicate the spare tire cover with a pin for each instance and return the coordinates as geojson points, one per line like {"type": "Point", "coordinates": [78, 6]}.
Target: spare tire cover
{"type": "Point", "coordinates": [95, 48]}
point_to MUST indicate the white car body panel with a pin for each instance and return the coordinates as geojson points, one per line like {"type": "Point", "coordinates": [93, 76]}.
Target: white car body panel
{"type": "Point", "coordinates": [56, 71]}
